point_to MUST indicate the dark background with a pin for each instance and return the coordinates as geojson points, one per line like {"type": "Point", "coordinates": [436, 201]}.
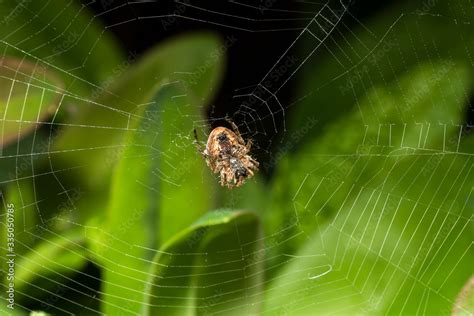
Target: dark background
{"type": "Point", "coordinates": [253, 54]}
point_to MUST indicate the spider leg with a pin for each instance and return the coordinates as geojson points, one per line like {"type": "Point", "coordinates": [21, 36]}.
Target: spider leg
{"type": "Point", "coordinates": [249, 144]}
{"type": "Point", "coordinates": [239, 136]}
{"type": "Point", "coordinates": [241, 150]}
{"type": "Point", "coordinates": [223, 177]}
{"type": "Point", "coordinates": [199, 146]}
{"type": "Point", "coordinates": [196, 135]}
{"type": "Point", "coordinates": [249, 170]}
{"type": "Point", "coordinates": [255, 164]}
{"type": "Point", "coordinates": [235, 128]}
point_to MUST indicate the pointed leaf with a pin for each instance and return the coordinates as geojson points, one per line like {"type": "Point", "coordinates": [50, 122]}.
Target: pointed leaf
{"type": "Point", "coordinates": [158, 177]}
{"type": "Point", "coordinates": [214, 266]}
{"type": "Point", "coordinates": [111, 114]}
{"type": "Point", "coordinates": [400, 245]}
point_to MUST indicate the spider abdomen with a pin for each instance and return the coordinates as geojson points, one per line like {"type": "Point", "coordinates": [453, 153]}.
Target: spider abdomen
{"type": "Point", "coordinates": [226, 153]}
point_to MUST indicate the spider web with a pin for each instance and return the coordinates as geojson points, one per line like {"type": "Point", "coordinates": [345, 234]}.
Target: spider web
{"type": "Point", "coordinates": [367, 249]}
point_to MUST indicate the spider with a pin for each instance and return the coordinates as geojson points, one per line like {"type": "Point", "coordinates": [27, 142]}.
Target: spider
{"type": "Point", "coordinates": [227, 153]}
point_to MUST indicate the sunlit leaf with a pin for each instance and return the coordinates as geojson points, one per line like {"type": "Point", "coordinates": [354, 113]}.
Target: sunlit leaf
{"type": "Point", "coordinates": [159, 188]}
{"type": "Point", "coordinates": [96, 140]}
{"type": "Point", "coordinates": [214, 266]}
{"type": "Point", "coordinates": [398, 118]}
{"type": "Point", "coordinates": [400, 245]}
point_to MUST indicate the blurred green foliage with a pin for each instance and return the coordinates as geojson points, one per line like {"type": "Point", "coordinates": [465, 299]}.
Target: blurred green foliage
{"type": "Point", "coordinates": [165, 172]}
{"type": "Point", "coordinates": [217, 245]}
{"type": "Point", "coordinates": [371, 214]}
{"type": "Point", "coordinates": [379, 51]}
{"type": "Point", "coordinates": [64, 35]}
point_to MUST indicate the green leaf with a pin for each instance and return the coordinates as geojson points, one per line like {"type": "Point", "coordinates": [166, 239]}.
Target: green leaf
{"type": "Point", "coordinates": [98, 132]}
{"type": "Point", "coordinates": [20, 196]}
{"type": "Point", "coordinates": [214, 266]}
{"type": "Point", "coordinates": [158, 177]}
{"type": "Point", "coordinates": [48, 250]}
{"type": "Point", "coordinates": [62, 34]}
{"type": "Point", "coordinates": [400, 245]}
{"type": "Point", "coordinates": [53, 258]}
{"type": "Point", "coordinates": [381, 50]}
{"type": "Point", "coordinates": [421, 110]}
{"type": "Point", "coordinates": [4, 310]}
{"type": "Point", "coordinates": [28, 95]}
